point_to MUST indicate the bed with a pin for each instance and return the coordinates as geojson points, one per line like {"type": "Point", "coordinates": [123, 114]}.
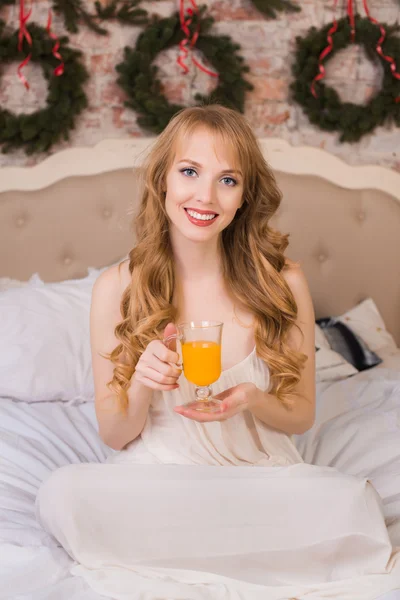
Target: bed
{"type": "Point", "coordinates": [64, 220]}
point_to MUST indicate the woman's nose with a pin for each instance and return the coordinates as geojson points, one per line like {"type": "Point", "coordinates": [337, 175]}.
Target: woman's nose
{"type": "Point", "coordinates": [207, 193]}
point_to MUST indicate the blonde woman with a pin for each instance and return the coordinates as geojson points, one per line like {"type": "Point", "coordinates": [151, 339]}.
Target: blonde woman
{"type": "Point", "coordinates": [178, 502]}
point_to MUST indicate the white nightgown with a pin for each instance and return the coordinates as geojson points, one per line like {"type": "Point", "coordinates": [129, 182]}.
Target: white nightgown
{"type": "Point", "coordinates": [224, 510]}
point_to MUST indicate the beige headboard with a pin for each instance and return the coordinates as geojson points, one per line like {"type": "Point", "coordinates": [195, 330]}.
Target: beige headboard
{"type": "Point", "coordinates": [74, 210]}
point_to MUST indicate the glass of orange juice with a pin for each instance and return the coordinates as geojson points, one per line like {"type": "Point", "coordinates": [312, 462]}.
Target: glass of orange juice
{"type": "Point", "coordinates": [201, 357]}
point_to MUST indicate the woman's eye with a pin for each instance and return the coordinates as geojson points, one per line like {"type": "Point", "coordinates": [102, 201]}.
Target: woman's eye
{"type": "Point", "coordinates": [231, 181]}
{"type": "Point", "coordinates": [188, 171]}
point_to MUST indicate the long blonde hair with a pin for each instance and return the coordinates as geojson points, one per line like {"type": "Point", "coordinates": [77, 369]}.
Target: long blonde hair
{"type": "Point", "coordinates": [252, 256]}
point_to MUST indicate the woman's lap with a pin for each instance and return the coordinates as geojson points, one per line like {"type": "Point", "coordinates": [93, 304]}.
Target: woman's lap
{"type": "Point", "coordinates": [300, 523]}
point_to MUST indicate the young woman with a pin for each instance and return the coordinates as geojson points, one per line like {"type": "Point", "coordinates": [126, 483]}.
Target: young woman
{"type": "Point", "coordinates": [205, 250]}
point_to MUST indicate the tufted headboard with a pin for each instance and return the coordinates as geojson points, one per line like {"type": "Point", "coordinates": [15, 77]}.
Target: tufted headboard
{"type": "Point", "coordinates": [74, 210]}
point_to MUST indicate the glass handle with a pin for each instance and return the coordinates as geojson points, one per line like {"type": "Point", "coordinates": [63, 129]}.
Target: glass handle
{"type": "Point", "coordinates": [174, 336]}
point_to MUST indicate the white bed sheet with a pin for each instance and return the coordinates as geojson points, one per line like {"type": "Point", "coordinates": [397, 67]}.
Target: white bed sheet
{"type": "Point", "coordinates": [357, 430]}
{"type": "Point", "coordinates": [34, 440]}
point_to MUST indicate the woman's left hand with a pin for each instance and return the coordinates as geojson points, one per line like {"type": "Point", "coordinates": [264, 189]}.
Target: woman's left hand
{"type": "Point", "coordinates": [233, 401]}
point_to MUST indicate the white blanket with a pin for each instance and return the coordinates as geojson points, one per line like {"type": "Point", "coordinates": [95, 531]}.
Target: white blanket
{"type": "Point", "coordinates": [357, 431]}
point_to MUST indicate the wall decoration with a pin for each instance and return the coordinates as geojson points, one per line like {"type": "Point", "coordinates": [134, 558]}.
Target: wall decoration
{"type": "Point", "coordinates": [38, 131]}
{"type": "Point", "coordinates": [138, 75]}
{"type": "Point", "coordinates": [321, 103]}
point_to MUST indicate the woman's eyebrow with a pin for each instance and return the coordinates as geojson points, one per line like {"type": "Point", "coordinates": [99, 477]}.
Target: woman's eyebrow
{"type": "Point", "coordinates": [196, 164]}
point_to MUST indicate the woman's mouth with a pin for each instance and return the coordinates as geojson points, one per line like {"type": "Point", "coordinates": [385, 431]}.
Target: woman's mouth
{"type": "Point", "coordinates": [200, 219]}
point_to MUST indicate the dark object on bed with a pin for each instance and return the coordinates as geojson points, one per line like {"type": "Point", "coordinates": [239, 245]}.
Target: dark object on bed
{"type": "Point", "coordinates": [343, 340]}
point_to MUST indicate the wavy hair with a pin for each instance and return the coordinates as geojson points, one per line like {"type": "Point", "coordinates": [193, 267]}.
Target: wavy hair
{"type": "Point", "coordinates": [252, 256]}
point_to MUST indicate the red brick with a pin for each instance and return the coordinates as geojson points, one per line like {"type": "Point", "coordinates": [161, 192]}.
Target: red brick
{"type": "Point", "coordinates": [267, 88]}
{"type": "Point", "coordinates": [175, 90]}
{"type": "Point", "coordinates": [112, 94]}
{"type": "Point", "coordinates": [102, 64]}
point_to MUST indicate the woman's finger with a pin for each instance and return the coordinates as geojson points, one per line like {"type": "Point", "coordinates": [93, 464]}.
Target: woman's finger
{"type": "Point", "coordinates": [163, 353]}
{"type": "Point", "coordinates": [158, 377]}
{"type": "Point", "coordinates": [154, 385]}
{"type": "Point", "coordinates": [171, 370]}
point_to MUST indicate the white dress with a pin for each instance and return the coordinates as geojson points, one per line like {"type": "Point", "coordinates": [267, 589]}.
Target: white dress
{"type": "Point", "coordinates": [181, 513]}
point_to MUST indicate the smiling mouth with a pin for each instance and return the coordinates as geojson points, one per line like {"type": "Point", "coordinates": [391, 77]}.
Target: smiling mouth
{"type": "Point", "coordinates": [205, 217]}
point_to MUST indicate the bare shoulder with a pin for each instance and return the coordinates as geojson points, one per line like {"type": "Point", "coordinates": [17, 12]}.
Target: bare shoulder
{"type": "Point", "coordinates": [297, 281]}
{"type": "Point", "coordinates": [293, 273]}
{"type": "Point", "coordinates": [113, 281]}
{"type": "Point", "coordinates": [109, 287]}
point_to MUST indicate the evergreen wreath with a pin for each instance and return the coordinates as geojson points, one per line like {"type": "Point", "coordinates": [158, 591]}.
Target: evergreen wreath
{"type": "Point", "coordinates": [38, 131]}
{"type": "Point", "coordinates": [138, 77]}
{"type": "Point", "coordinates": [327, 111]}
{"type": "Point", "coordinates": [270, 8]}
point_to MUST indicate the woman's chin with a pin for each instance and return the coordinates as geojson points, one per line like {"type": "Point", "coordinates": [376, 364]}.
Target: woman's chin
{"type": "Point", "coordinates": [202, 235]}
{"type": "Point", "coordinates": [195, 234]}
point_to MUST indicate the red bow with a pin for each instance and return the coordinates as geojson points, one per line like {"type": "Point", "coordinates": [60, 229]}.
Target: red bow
{"type": "Point", "coordinates": [23, 33]}
{"type": "Point", "coordinates": [186, 41]}
{"type": "Point", "coordinates": [59, 70]}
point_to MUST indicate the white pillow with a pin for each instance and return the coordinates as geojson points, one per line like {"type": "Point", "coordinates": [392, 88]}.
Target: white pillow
{"type": "Point", "coordinates": [329, 365]}
{"type": "Point", "coordinates": [390, 359]}
{"type": "Point", "coordinates": [45, 341]}
{"type": "Point", "coordinates": [6, 283]}
{"type": "Point", "coordinates": [366, 321]}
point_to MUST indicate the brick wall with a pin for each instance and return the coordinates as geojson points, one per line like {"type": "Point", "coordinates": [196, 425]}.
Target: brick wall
{"type": "Point", "coordinates": [267, 46]}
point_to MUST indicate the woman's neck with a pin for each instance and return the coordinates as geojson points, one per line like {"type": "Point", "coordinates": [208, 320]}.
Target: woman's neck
{"type": "Point", "coordinates": [197, 262]}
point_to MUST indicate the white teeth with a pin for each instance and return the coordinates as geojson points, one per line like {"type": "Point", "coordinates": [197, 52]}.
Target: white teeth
{"type": "Point", "coordinates": [197, 215]}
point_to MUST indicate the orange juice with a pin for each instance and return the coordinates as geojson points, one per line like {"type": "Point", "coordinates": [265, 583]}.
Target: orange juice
{"type": "Point", "coordinates": [201, 361]}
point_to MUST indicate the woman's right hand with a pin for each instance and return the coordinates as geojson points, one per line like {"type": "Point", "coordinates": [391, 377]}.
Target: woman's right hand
{"type": "Point", "coordinates": [157, 368]}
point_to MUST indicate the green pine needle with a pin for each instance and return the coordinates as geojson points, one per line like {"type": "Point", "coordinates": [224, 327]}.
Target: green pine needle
{"type": "Point", "coordinates": [127, 12]}
{"type": "Point", "coordinates": [270, 8]}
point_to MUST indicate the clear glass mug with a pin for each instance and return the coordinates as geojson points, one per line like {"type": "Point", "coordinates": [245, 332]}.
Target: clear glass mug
{"type": "Point", "coordinates": [201, 358]}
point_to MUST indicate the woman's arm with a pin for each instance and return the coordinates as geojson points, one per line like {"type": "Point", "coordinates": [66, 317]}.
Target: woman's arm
{"type": "Point", "coordinates": [266, 406]}
{"type": "Point", "coordinates": [115, 428]}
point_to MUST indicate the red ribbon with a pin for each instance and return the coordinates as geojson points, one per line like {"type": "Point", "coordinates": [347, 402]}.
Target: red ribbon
{"type": "Point", "coordinates": [350, 12]}
{"type": "Point", "coordinates": [328, 49]}
{"type": "Point", "coordinates": [184, 43]}
{"type": "Point", "coordinates": [379, 50]}
{"type": "Point", "coordinates": [23, 33]}
{"type": "Point", "coordinates": [59, 70]}
{"type": "Point", "coordinates": [325, 53]}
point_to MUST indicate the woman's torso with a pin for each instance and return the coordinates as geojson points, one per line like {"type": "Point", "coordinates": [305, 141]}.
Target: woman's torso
{"type": "Point", "coordinates": [241, 440]}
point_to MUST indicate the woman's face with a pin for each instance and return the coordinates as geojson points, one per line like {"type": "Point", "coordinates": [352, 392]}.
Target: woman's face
{"type": "Point", "coordinates": [204, 190]}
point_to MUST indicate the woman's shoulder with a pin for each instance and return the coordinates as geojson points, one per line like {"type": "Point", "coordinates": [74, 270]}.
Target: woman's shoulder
{"type": "Point", "coordinates": [291, 269]}
{"type": "Point", "coordinates": [295, 277]}
{"type": "Point", "coordinates": [111, 283]}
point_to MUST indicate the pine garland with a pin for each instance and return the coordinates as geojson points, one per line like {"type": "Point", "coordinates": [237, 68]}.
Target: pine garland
{"type": "Point", "coordinates": [327, 111]}
{"type": "Point", "coordinates": [38, 131]}
{"type": "Point", "coordinates": [126, 12]}
{"type": "Point", "coordinates": [138, 77]}
{"type": "Point", "coordinates": [270, 8]}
